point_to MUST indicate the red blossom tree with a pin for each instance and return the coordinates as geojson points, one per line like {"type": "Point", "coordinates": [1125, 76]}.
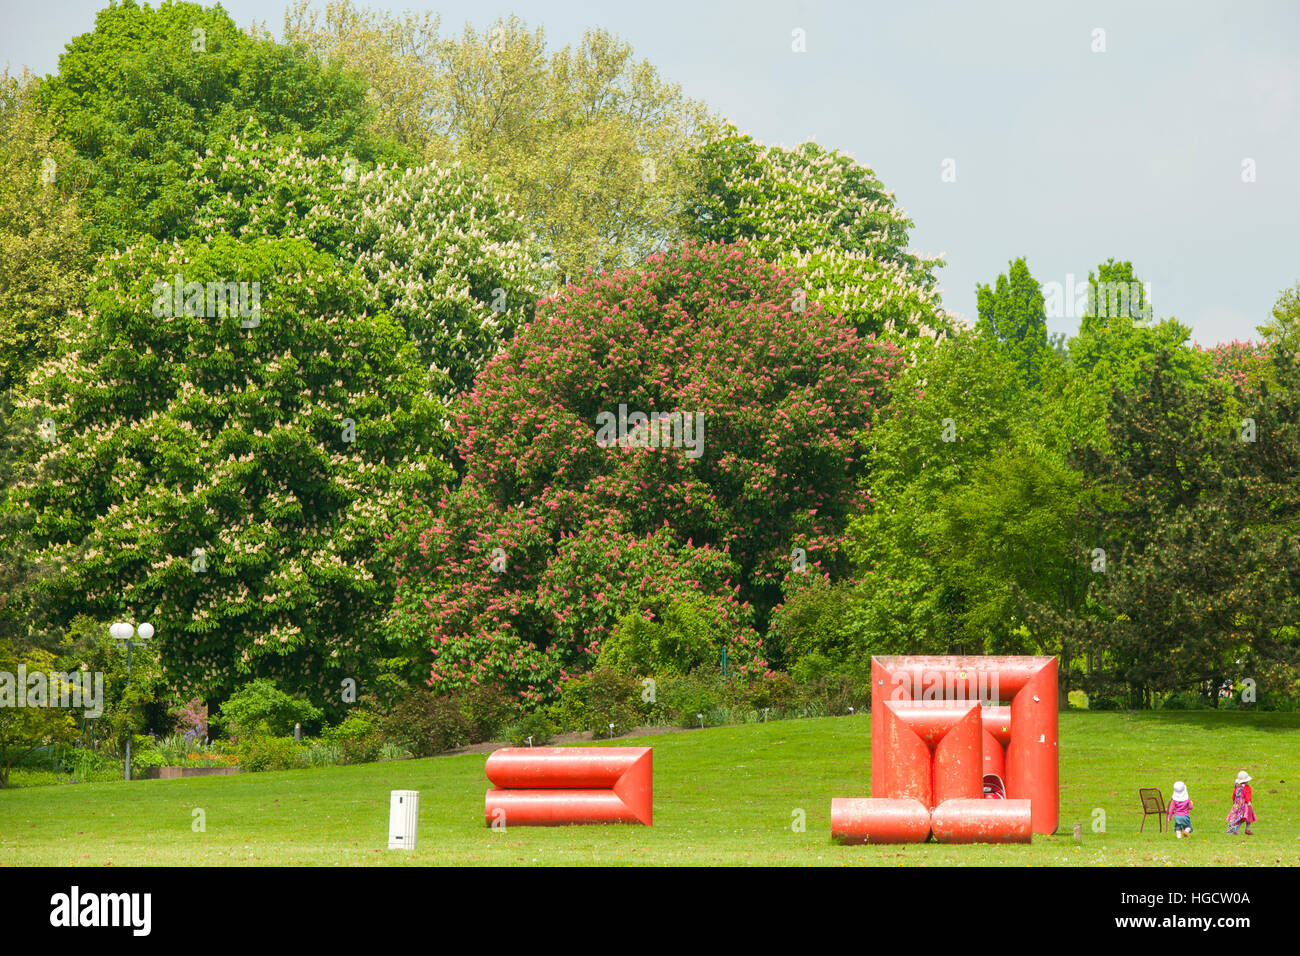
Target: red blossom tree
{"type": "Point", "coordinates": [519, 573]}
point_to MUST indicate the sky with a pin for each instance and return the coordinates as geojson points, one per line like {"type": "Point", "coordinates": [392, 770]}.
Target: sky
{"type": "Point", "coordinates": [1065, 132]}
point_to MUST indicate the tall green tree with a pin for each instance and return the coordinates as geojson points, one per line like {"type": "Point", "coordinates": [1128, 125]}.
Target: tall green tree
{"type": "Point", "coordinates": [578, 508]}
{"type": "Point", "coordinates": [586, 140]}
{"type": "Point", "coordinates": [1119, 335]}
{"type": "Point", "coordinates": [19, 570]}
{"type": "Point", "coordinates": [1198, 529]}
{"type": "Point", "coordinates": [150, 89]}
{"type": "Point", "coordinates": [1284, 328]}
{"type": "Point", "coordinates": [1013, 315]}
{"type": "Point", "coordinates": [973, 517]}
{"type": "Point", "coordinates": [398, 55]}
{"type": "Point", "coordinates": [44, 250]}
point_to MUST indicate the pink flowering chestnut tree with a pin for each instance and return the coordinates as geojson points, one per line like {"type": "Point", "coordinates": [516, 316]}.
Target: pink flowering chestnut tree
{"type": "Point", "coordinates": [689, 427]}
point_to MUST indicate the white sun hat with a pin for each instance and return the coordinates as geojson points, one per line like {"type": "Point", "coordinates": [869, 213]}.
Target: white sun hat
{"type": "Point", "coordinates": [1243, 777]}
{"type": "Point", "coordinates": [1180, 790]}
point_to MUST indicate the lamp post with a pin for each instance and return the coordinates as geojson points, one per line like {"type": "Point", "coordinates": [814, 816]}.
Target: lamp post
{"type": "Point", "coordinates": [123, 632]}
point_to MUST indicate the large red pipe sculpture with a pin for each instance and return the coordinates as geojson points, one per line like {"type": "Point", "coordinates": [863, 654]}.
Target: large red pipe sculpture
{"type": "Point", "coordinates": [560, 786]}
{"type": "Point", "coordinates": [938, 726]}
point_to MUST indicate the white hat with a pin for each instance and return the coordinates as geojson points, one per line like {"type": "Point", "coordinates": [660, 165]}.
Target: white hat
{"type": "Point", "coordinates": [1180, 790]}
{"type": "Point", "coordinates": [1243, 777]}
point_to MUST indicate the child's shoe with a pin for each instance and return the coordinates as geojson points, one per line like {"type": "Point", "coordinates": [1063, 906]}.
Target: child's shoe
{"type": "Point", "coordinates": [1178, 834]}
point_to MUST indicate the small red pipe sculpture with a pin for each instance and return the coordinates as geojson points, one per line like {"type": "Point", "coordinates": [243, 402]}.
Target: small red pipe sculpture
{"type": "Point", "coordinates": [879, 820]}
{"type": "Point", "coordinates": [561, 786]}
{"type": "Point", "coordinates": [938, 727]}
{"type": "Point", "coordinates": [982, 821]}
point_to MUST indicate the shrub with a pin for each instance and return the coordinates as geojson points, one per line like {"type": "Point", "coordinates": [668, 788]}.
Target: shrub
{"type": "Point", "coordinates": [56, 759]}
{"type": "Point", "coordinates": [86, 764]}
{"type": "Point", "coordinates": [1278, 700]}
{"type": "Point", "coordinates": [813, 629]}
{"type": "Point", "coordinates": [1278, 686]}
{"type": "Point", "coordinates": [260, 752]}
{"type": "Point", "coordinates": [23, 729]}
{"type": "Point", "coordinates": [1078, 699]}
{"type": "Point", "coordinates": [426, 724]}
{"type": "Point", "coordinates": [260, 708]}
{"type": "Point", "coordinates": [570, 712]}
{"type": "Point", "coordinates": [773, 691]}
{"type": "Point", "coordinates": [191, 719]}
{"type": "Point", "coordinates": [537, 726]}
{"type": "Point", "coordinates": [687, 635]}
{"type": "Point", "coordinates": [488, 709]}
{"type": "Point", "coordinates": [630, 648]}
{"type": "Point", "coordinates": [594, 701]}
{"type": "Point", "coordinates": [813, 667]}
{"type": "Point", "coordinates": [833, 696]}
{"type": "Point", "coordinates": [1185, 700]}
{"type": "Point", "coordinates": [393, 752]}
{"type": "Point", "coordinates": [358, 738]}
{"type": "Point", "coordinates": [144, 758]}
{"type": "Point", "coordinates": [179, 749]}
{"type": "Point", "coordinates": [685, 698]}
{"type": "Point", "coordinates": [322, 753]}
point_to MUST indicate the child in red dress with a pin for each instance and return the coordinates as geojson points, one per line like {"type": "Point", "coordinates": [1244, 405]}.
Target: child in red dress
{"type": "Point", "coordinates": [1242, 810]}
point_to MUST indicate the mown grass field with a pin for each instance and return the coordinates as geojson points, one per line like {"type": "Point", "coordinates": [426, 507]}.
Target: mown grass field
{"type": "Point", "coordinates": [723, 796]}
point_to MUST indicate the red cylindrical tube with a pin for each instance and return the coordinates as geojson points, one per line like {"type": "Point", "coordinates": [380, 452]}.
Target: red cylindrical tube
{"type": "Point", "coordinates": [878, 820]}
{"type": "Point", "coordinates": [982, 821]}
{"type": "Point", "coordinates": [568, 768]}
{"type": "Point", "coordinates": [1033, 759]}
{"type": "Point", "coordinates": [541, 807]}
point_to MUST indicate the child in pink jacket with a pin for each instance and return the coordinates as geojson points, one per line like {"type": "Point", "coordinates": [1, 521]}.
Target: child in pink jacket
{"type": "Point", "coordinates": [1180, 810]}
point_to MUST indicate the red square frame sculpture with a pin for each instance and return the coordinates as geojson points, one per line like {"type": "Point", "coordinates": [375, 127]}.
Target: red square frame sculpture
{"type": "Point", "coordinates": [939, 732]}
{"type": "Point", "coordinates": [564, 786]}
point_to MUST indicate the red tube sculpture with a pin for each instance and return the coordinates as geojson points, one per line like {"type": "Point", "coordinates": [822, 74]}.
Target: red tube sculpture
{"type": "Point", "coordinates": [877, 820]}
{"type": "Point", "coordinates": [562, 786]}
{"type": "Point", "coordinates": [939, 726]}
{"type": "Point", "coordinates": [982, 821]}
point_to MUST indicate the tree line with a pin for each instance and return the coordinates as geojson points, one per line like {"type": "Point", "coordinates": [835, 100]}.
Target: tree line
{"type": "Point", "coordinates": [466, 249]}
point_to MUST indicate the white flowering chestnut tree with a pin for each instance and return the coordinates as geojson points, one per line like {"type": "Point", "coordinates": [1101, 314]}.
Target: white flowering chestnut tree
{"type": "Point", "coordinates": [443, 253]}
{"type": "Point", "coordinates": [221, 437]}
{"type": "Point", "coordinates": [816, 211]}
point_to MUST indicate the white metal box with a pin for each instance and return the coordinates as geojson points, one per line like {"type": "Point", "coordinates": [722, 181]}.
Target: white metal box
{"type": "Point", "coordinates": [403, 819]}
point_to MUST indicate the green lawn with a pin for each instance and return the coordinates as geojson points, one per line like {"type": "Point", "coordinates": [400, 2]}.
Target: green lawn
{"type": "Point", "coordinates": [722, 796]}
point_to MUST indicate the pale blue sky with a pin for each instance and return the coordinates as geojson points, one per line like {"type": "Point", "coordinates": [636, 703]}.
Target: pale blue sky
{"type": "Point", "coordinates": [1063, 155]}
